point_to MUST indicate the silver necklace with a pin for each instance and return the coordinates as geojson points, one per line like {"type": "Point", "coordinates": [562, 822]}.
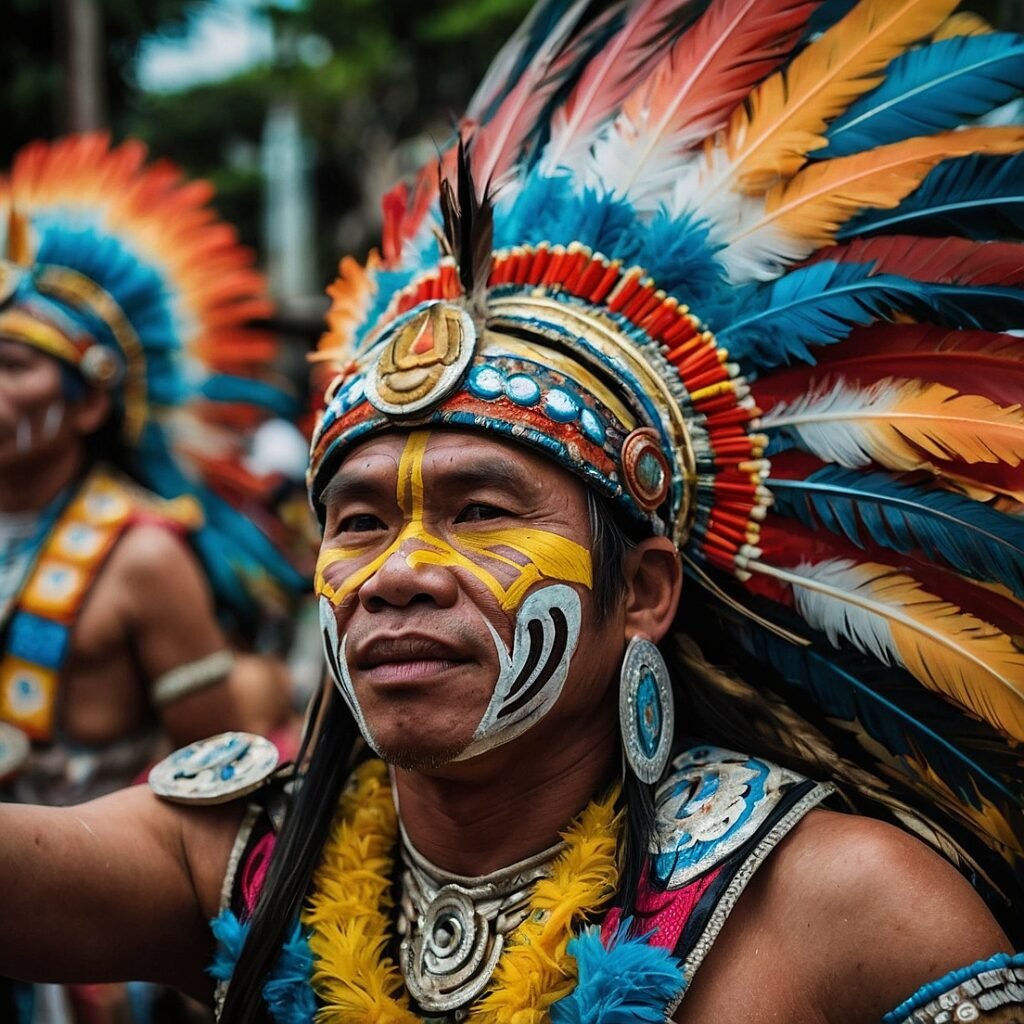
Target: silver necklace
{"type": "Point", "coordinates": [453, 928]}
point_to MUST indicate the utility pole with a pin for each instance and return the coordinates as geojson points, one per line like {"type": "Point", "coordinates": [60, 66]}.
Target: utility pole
{"type": "Point", "coordinates": [83, 66]}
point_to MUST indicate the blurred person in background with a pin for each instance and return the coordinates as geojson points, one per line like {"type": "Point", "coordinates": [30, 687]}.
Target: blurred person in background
{"type": "Point", "coordinates": [137, 529]}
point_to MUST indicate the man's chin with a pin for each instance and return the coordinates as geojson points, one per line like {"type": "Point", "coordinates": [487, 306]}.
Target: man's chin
{"type": "Point", "coordinates": [417, 757]}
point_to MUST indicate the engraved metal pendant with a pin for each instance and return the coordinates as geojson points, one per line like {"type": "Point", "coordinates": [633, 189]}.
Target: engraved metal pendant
{"type": "Point", "coordinates": [453, 928]}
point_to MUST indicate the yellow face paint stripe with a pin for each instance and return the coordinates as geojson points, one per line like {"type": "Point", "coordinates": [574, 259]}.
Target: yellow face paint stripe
{"type": "Point", "coordinates": [549, 555]}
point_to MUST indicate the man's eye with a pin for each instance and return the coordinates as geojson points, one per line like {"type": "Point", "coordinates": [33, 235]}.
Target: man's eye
{"type": "Point", "coordinates": [479, 512]}
{"type": "Point", "coordinates": [361, 523]}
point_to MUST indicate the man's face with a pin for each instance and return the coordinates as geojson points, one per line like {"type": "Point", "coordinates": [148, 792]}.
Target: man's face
{"type": "Point", "coordinates": [450, 563]}
{"type": "Point", "coordinates": [32, 408]}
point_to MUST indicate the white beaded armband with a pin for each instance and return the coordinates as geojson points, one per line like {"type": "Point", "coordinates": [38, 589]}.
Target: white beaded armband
{"type": "Point", "coordinates": [196, 675]}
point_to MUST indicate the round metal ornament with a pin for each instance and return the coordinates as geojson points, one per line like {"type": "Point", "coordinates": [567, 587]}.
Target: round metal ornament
{"type": "Point", "coordinates": [645, 469]}
{"type": "Point", "coordinates": [646, 710]}
{"type": "Point", "coordinates": [423, 361]}
{"type": "Point", "coordinates": [215, 770]}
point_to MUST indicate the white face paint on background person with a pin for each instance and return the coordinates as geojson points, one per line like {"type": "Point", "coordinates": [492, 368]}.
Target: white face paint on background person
{"type": "Point", "coordinates": [36, 420]}
{"type": "Point", "coordinates": [455, 581]}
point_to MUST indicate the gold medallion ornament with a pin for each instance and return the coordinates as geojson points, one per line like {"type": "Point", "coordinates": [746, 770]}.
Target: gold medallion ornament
{"type": "Point", "coordinates": [422, 363]}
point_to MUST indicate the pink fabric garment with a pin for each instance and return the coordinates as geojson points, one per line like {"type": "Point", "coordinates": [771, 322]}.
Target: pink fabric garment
{"type": "Point", "coordinates": [254, 871]}
{"type": "Point", "coordinates": [663, 913]}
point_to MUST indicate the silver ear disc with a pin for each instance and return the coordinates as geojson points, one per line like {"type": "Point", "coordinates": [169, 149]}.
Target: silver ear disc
{"type": "Point", "coordinates": [646, 710]}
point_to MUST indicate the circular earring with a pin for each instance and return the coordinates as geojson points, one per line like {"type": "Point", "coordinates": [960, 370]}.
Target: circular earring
{"type": "Point", "coordinates": [646, 710]}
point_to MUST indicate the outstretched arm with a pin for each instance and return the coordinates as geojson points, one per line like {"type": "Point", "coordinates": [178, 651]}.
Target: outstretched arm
{"type": "Point", "coordinates": [119, 888]}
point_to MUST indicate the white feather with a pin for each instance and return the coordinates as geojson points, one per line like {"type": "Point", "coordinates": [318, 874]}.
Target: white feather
{"type": "Point", "coordinates": [824, 420]}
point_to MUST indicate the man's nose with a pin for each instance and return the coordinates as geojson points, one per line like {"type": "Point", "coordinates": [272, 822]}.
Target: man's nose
{"type": "Point", "coordinates": [399, 583]}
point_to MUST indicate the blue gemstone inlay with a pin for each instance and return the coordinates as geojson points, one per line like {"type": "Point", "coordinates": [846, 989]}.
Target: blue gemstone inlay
{"type": "Point", "coordinates": [486, 382]}
{"type": "Point", "coordinates": [561, 406]}
{"type": "Point", "coordinates": [648, 714]}
{"type": "Point", "coordinates": [592, 427]}
{"type": "Point", "coordinates": [227, 772]}
{"type": "Point", "coordinates": [522, 390]}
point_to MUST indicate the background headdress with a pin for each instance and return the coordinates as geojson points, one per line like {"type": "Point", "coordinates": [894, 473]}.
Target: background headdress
{"type": "Point", "coordinates": [124, 272]}
{"type": "Point", "coordinates": [752, 265]}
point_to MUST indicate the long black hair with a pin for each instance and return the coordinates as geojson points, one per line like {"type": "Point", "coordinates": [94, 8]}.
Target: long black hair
{"type": "Point", "coordinates": [318, 788]}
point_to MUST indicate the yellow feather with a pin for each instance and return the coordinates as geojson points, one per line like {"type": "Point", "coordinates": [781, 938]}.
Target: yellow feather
{"type": "Point", "coordinates": [951, 652]}
{"type": "Point", "coordinates": [784, 117]}
{"type": "Point", "coordinates": [824, 196]}
{"type": "Point", "coordinates": [966, 23]}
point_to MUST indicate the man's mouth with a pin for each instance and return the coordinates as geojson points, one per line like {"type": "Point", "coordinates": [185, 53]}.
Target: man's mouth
{"type": "Point", "coordinates": [407, 659]}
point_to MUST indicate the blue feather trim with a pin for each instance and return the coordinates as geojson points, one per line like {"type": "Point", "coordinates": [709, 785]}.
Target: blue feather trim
{"type": "Point", "coordinates": [288, 989]}
{"type": "Point", "coordinates": [625, 982]}
{"type": "Point", "coordinates": [932, 89]}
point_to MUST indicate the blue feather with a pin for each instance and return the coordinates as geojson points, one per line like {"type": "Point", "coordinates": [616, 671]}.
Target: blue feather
{"type": "Point", "coordinates": [893, 710]}
{"type": "Point", "coordinates": [626, 982]}
{"type": "Point", "coordinates": [288, 988]}
{"type": "Point", "coordinates": [932, 89]}
{"type": "Point", "coordinates": [979, 197]}
{"type": "Point", "coordinates": [968, 535]}
{"type": "Point", "coordinates": [826, 16]}
{"type": "Point", "coordinates": [225, 388]}
{"type": "Point", "coordinates": [815, 305]}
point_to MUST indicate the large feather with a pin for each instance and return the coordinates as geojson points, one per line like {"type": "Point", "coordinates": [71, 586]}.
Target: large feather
{"type": "Point", "coordinates": [608, 79]}
{"type": "Point", "coordinates": [691, 93]}
{"type": "Point", "coordinates": [873, 506]}
{"type": "Point", "coordinates": [785, 117]}
{"type": "Point", "coordinates": [974, 362]}
{"type": "Point", "coordinates": [805, 213]}
{"type": "Point", "coordinates": [899, 424]}
{"type": "Point", "coordinates": [907, 721]}
{"type": "Point", "coordinates": [513, 59]}
{"type": "Point", "coordinates": [816, 305]}
{"type": "Point", "coordinates": [499, 143]}
{"type": "Point", "coordinates": [979, 197]}
{"type": "Point", "coordinates": [952, 260]}
{"type": "Point", "coordinates": [888, 615]}
{"type": "Point", "coordinates": [932, 89]}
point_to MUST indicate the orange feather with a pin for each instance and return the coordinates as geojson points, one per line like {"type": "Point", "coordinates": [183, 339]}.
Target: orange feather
{"type": "Point", "coordinates": [784, 118]}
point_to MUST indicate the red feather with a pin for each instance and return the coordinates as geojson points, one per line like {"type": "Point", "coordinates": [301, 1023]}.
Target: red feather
{"type": "Point", "coordinates": [787, 542]}
{"type": "Point", "coordinates": [609, 78]}
{"type": "Point", "coordinates": [498, 144]}
{"type": "Point", "coordinates": [973, 362]}
{"type": "Point", "coordinates": [938, 260]}
{"type": "Point", "coordinates": [697, 85]}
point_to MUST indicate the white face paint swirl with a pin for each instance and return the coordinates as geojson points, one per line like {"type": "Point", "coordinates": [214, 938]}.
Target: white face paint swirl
{"type": "Point", "coordinates": [529, 682]}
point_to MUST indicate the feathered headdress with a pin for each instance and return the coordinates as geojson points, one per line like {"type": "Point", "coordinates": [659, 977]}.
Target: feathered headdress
{"type": "Point", "coordinates": [752, 265]}
{"type": "Point", "coordinates": [123, 271]}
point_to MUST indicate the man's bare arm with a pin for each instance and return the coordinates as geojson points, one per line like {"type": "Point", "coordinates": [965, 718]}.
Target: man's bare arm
{"type": "Point", "coordinates": [170, 617]}
{"type": "Point", "coordinates": [116, 889]}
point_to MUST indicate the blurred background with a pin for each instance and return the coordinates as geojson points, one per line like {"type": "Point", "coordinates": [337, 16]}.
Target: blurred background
{"type": "Point", "coordinates": [301, 112]}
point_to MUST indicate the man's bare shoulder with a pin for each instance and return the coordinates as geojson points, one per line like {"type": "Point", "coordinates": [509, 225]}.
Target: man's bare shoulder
{"type": "Point", "coordinates": [150, 552]}
{"type": "Point", "coordinates": [848, 917]}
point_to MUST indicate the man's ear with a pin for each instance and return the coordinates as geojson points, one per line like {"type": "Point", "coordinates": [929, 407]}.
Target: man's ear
{"type": "Point", "coordinates": [91, 411]}
{"type": "Point", "coordinates": [654, 581]}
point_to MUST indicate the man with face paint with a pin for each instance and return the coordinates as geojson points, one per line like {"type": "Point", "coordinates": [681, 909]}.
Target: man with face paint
{"type": "Point", "coordinates": [549, 783]}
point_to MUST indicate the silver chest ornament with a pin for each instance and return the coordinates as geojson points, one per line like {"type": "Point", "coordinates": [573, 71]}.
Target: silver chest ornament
{"type": "Point", "coordinates": [453, 929]}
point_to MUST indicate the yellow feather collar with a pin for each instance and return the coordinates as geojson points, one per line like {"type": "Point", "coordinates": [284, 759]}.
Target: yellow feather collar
{"type": "Point", "coordinates": [355, 979]}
